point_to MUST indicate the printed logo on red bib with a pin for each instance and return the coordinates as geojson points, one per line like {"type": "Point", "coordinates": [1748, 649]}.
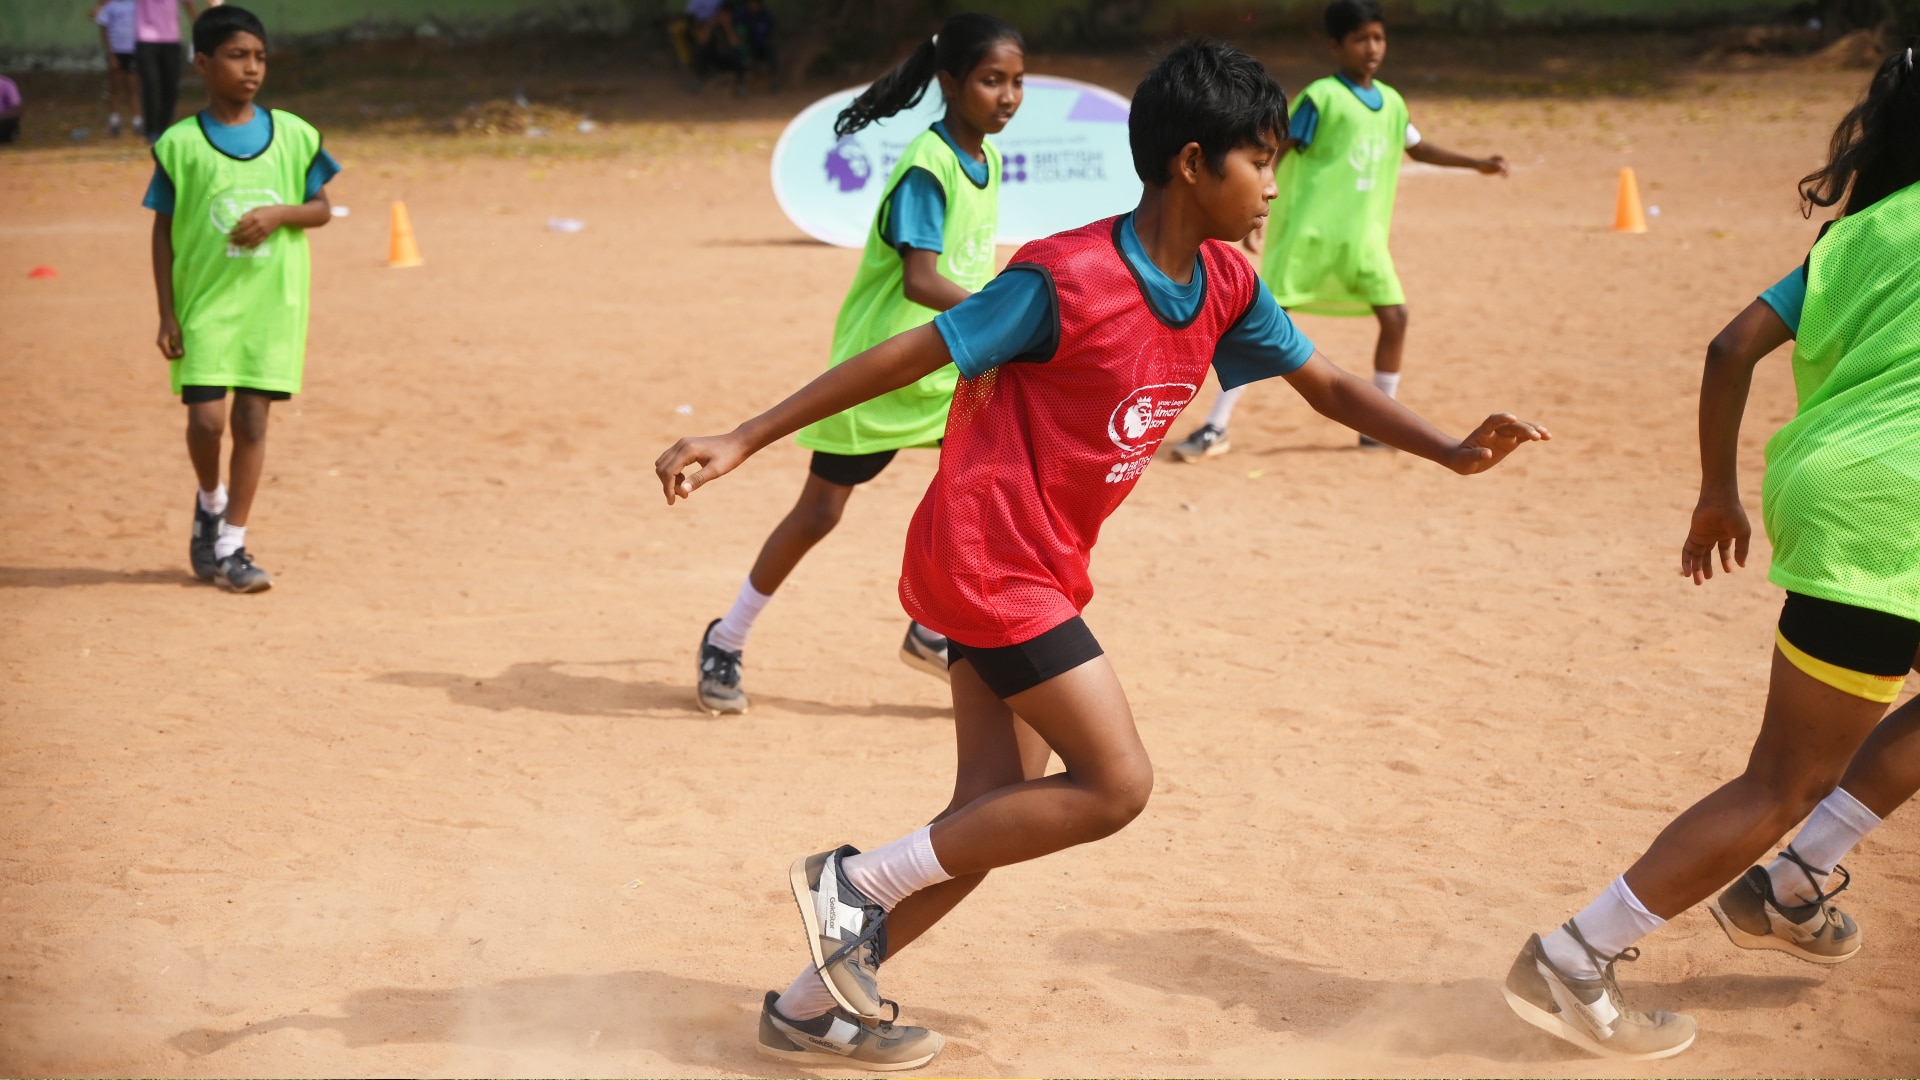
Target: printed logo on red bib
{"type": "Point", "coordinates": [1140, 421]}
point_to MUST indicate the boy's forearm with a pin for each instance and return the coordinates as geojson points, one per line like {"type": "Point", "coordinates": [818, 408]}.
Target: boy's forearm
{"type": "Point", "coordinates": [163, 263]}
{"type": "Point", "coordinates": [311, 214]}
{"type": "Point", "coordinates": [1428, 154]}
{"type": "Point", "coordinates": [888, 366]}
{"type": "Point", "coordinates": [1357, 403]}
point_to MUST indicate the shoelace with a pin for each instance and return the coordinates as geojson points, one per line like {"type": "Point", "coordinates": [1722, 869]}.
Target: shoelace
{"type": "Point", "coordinates": [870, 938]}
{"type": "Point", "coordinates": [724, 665]}
{"type": "Point", "coordinates": [1607, 980]}
{"type": "Point", "coordinates": [1820, 896]}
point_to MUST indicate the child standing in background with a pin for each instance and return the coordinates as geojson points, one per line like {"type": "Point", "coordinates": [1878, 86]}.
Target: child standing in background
{"type": "Point", "coordinates": [931, 245]}
{"type": "Point", "coordinates": [116, 21]}
{"type": "Point", "coordinates": [234, 190]}
{"type": "Point", "coordinates": [1337, 186]}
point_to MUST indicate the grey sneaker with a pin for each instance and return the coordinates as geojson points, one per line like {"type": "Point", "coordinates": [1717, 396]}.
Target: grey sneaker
{"type": "Point", "coordinates": [200, 549]}
{"type": "Point", "coordinates": [846, 932]}
{"type": "Point", "coordinates": [719, 686]}
{"type": "Point", "coordinates": [1589, 1013]}
{"type": "Point", "coordinates": [924, 650]}
{"type": "Point", "coordinates": [238, 571]}
{"type": "Point", "coordinates": [1207, 442]}
{"type": "Point", "coordinates": [839, 1039]}
{"type": "Point", "coordinates": [1815, 931]}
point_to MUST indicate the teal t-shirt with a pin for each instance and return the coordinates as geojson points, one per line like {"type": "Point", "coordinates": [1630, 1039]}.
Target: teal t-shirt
{"type": "Point", "coordinates": [916, 215]}
{"type": "Point", "coordinates": [241, 141]}
{"type": "Point", "coordinates": [1788, 296]}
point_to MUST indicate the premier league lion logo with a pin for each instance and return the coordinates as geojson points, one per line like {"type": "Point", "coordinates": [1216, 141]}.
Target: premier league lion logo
{"type": "Point", "coordinates": [847, 165]}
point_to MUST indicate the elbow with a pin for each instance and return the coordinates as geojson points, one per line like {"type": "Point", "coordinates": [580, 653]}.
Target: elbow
{"type": "Point", "coordinates": [1723, 351]}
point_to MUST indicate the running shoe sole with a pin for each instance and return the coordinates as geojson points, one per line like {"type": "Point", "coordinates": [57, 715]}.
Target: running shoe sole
{"type": "Point", "coordinates": [1560, 1029]}
{"type": "Point", "coordinates": [1768, 941]}
{"type": "Point", "coordinates": [926, 665]}
{"type": "Point", "coordinates": [825, 1060]}
{"type": "Point", "coordinates": [1215, 449]}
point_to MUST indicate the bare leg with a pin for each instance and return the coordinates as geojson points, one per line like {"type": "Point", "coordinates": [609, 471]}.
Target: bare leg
{"type": "Point", "coordinates": [1393, 338]}
{"type": "Point", "coordinates": [249, 454]}
{"type": "Point", "coordinates": [996, 749]}
{"type": "Point", "coordinates": [1886, 771]}
{"type": "Point", "coordinates": [1809, 734]}
{"type": "Point", "coordinates": [814, 516]}
{"type": "Point", "coordinates": [206, 423]}
{"type": "Point", "coordinates": [1083, 715]}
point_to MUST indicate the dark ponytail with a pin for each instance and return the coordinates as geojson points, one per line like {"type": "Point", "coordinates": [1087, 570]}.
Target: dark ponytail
{"type": "Point", "coordinates": [1876, 149]}
{"type": "Point", "coordinates": [962, 42]}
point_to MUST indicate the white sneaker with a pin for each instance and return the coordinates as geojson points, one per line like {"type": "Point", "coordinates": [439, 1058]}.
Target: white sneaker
{"type": "Point", "coordinates": [1590, 1013]}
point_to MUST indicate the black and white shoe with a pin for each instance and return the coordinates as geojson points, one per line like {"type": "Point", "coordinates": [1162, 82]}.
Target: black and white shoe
{"type": "Point", "coordinates": [1591, 1013]}
{"type": "Point", "coordinates": [925, 651]}
{"type": "Point", "coordinates": [238, 571]}
{"type": "Point", "coordinates": [1208, 441]}
{"type": "Point", "coordinates": [839, 1039]}
{"type": "Point", "coordinates": [846, 932]}
{"type": "Point", "coordinates": [200, 549]}
{"type": "Point", "coordinates": [719, 677]}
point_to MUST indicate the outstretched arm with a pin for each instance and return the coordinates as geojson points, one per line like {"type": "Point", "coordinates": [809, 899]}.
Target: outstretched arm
{"type": "Point", "coordinates": [1719, 521]}
{"type": "Point", "coordinates": [888, 366]}
{"type": "Point", "coordinates": [1358, 404]}
{"type": "Point", "coordinates": [1429, 154]}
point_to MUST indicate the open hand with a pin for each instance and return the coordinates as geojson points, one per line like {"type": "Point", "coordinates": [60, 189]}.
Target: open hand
{"type": "Point", "coordinates": [255, 226]}
{"type": "Point", "coordinates": [716, 456]}
{"type": "Point", "coordinates": [1492, 165]}
{"type": "Point", "coordinates": [169, 340]}
{"type": "Point", "coordinates": [1495, 438]}
{"type": "Point", "coordinates": [1719, 522]}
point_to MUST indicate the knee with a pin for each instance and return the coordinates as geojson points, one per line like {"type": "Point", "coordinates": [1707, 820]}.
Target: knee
{"type": "Point", "coordinates": [818, 517]}
{"type": "Point", "coordinates": [1123, 796]}
{"type": "Point", "coordinates": [249, 420]}
{"type": "Point", "coordinates": [1393, 320]}
{"type": "Point", "coordinates": [206, 423]}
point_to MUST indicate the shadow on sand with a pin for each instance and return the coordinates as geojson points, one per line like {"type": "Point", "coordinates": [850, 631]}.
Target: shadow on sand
{"type": "Point", "coordinates": [61, 577]}
{"type": "Point", "coordinates": [542, 687]}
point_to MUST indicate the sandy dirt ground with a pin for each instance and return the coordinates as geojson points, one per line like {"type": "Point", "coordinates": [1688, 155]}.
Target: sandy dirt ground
{"type": "Point", "coordinates": [440, 802]}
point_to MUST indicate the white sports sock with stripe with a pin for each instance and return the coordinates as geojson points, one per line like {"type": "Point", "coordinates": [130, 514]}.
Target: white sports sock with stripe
{"type": "Point", "coordinates": [731, 633]}
{"type": "Point", "coordinates": [1834, 827]}
{"type": "Point", "coordinates": [1611, 924]}
{"type": "Point", "coordinates": [892, 872]}
{"type": "Point", "coordinates": [1223, 407]}
{"type": "Point", "coordinates": [807, 998]}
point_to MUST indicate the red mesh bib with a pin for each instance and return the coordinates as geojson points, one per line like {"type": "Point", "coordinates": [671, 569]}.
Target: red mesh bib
{"type": "Point", "coordinates": [1037, 455]}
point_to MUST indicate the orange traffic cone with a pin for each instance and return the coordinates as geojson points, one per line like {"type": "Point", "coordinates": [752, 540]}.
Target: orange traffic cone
{"type": "Point", "coordinates": [402, 250]}
{"type": "Point", "coordinates": [1627, 215]}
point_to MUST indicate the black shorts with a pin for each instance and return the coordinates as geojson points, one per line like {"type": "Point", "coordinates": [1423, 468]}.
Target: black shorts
{"type": "Point", "coordinates": [849, 470]}
{"type": "Point", "coordinates": [125, 61]}
{"type": "Point", "coordinates": [1016, 668]}
{"type": "Point", "coordinates": [195, 395]}
{"type": "Point", "coordinates": [1857, 650]}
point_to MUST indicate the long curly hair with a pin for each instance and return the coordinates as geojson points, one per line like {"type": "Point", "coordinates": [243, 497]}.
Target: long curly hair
{"type": "Point", "coordinates": [1876, 149]}
{"type": "Point", "coordinates": [962, 42]}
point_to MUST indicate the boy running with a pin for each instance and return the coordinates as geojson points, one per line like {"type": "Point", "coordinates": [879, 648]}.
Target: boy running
{"type": "Point", "coordinates": [931, 244]}
{"type": "Point", "coordinates": [1073, 361]}
{"type": "Point", "coordinates": [234, 190]}
{"type": "Point", "coordinates": [1840, 499]}
{"type": "Point", "coordinates": [1329, 255]}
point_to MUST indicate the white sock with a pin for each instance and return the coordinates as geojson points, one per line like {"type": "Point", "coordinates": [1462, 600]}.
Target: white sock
{"type": "Point", "coordinates": [215, 501]}
{"type": "Point", "coordinates": [231, 539]}
{"type": "Point", "coordinates": [807, 998]}
{"type": "Point", "coordinates": [1838, 823]}
{"type": "Point", "coordinates": [1223, 407]}
{"type": "Point", "coordinates": [732, 632]}
{"type": "Point", "coordinates": [1613, 922]}
{"type": "Point", "coordinates": [892, 872]}
{"type": "Point", "coordinates": [1387, 382]}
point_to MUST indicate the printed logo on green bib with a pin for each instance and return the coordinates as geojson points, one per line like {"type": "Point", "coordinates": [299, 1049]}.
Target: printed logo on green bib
{"type": "Point", "coordinates": [230, 206]}
{"type": "Point", "coordinates": [1366, 155]}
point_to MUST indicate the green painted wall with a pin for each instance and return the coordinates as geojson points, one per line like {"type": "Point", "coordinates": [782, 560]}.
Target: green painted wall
{"type": "Point", "coordinates": [53, 26]}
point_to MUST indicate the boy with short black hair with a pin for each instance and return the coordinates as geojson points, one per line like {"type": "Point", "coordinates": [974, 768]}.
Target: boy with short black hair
{"type": "Point", "coordinates": [234, 190]}
{"type": "Point", "coordinates": [1073, 362]}
{"type": "Point", "coordinates": [1328, 255]}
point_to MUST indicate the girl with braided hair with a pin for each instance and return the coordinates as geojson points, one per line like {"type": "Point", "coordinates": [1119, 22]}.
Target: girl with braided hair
{"type": "Point", "coordinates": [930, 246]}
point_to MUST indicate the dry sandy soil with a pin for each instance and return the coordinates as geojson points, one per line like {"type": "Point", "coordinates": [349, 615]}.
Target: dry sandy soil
{"type": "Point", "coordinates": [440, 801]}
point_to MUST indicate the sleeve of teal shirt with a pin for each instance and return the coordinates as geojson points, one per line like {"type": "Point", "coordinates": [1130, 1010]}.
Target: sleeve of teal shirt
{"type": "Point", "coordinates": [1010, 318]}
{"type": "Point", "coordinates": [916, 214]}
{"type": "Point", "coordinates": [323, 169]}
{"type": "Point", "coordinates": [1787, 297]}
{"type": "Point", "coordinates": [1262, 345]}
{"type": "Point", "coordinates": [1304, 122]}
{"type": "Point", "coordinates": [159, 192]}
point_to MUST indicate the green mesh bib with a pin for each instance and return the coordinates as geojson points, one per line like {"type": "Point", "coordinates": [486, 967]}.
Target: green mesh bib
{"type": "Point", "coordinates": [1326, 248]}
{"type": "Point", "coordinates": [1841, 498]}
{"type": "Point", "coordinates": [877, 308]}
{"type": "Point", "coordinates": [242, 311]}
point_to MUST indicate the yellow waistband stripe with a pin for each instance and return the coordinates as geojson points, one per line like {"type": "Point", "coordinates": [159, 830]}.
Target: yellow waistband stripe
{"type": "Point", "coordinates": [1881, 688]}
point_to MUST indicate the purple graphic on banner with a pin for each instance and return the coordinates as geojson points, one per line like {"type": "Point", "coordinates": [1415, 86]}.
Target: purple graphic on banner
{"type": "Point", "coordinates": [847, 166]}
{"type": "Point", "coordinates": [1096, 109]}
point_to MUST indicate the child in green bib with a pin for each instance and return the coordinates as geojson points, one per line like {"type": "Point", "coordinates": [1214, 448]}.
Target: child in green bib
{"type": "Point", "coordinates": [234, 190]}
{"type": "Point", "coordinates": [1326, 249]}
{"type": "Point", "coordinates": [1841, 505]}
{"type": "Point", "coordinates": [931, 245]}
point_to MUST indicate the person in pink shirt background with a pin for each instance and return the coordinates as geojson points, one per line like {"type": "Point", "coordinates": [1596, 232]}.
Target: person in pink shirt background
{"type": "Point", "coordinates": [156, 56]}
{"type": "Point", "coordinates": [10, 109]}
